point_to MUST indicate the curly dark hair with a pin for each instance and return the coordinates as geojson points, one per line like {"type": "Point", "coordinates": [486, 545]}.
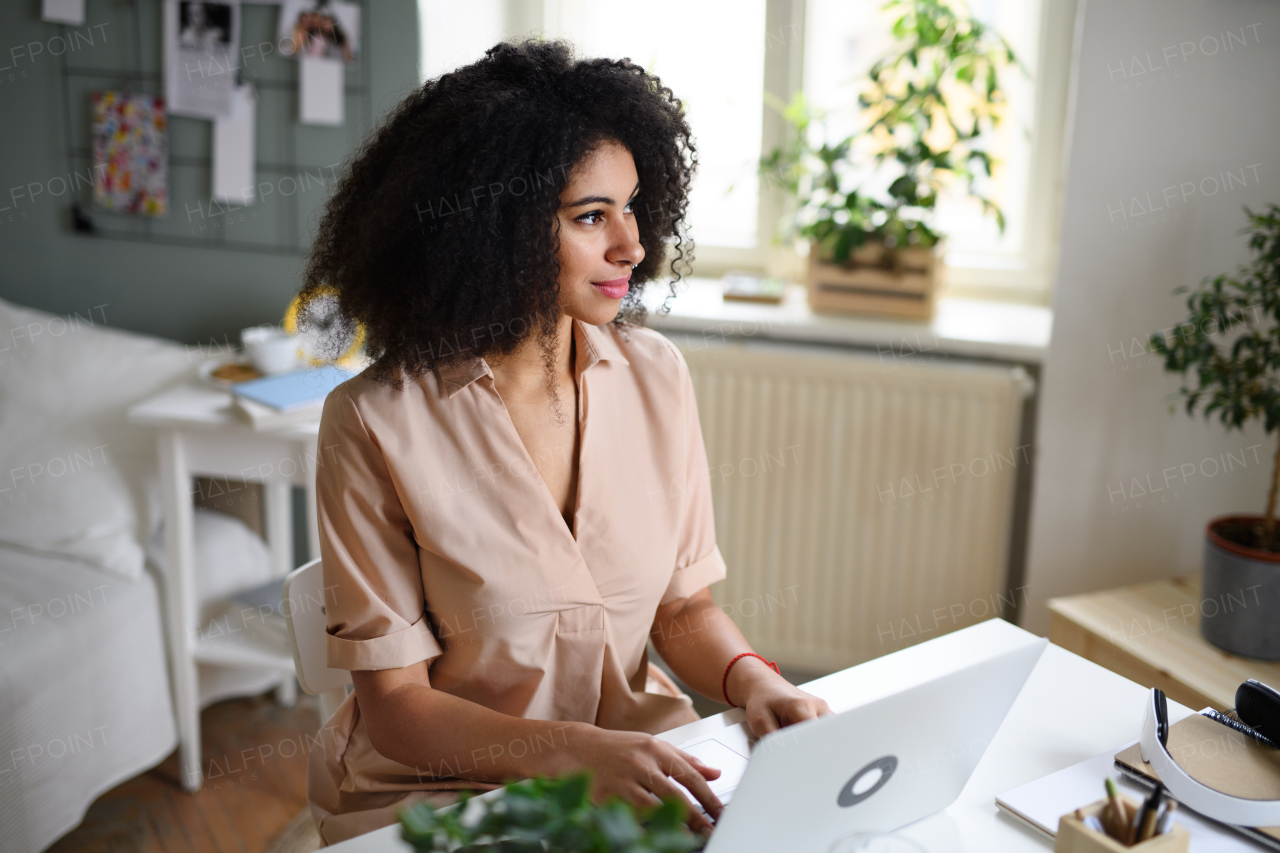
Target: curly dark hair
{"type": "Point", "coordinates": [441, 237]}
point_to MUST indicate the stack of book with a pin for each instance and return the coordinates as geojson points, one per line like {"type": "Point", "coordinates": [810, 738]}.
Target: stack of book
{"type": "Point", "coordinates": [289, 398]}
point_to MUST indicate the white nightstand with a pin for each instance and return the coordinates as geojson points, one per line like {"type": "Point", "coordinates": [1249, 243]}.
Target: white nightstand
{"type": "Point", "coordinates": [198, 434]}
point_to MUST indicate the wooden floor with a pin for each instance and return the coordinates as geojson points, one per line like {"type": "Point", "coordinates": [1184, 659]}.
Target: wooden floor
{"type": "Point", "coordinates": [255, 763]}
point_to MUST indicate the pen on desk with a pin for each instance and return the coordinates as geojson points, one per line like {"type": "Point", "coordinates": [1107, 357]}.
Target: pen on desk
{"type": "Point", "coordinates": [1144, 825]}
{"type": "Point", "coordinates": [1165, 823]}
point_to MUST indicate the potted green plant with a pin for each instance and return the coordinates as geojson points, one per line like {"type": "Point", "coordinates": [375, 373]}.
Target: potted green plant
{"type": "Point", "coordinates": [538, 815]}
{"type": "Point", "coordinates": [924, 112]}
{"type": "Point", "coordinates": [1228, 352]}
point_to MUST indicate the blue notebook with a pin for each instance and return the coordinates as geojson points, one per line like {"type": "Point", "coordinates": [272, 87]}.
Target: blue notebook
{"type": "Point", "coordinates": [296, 390]}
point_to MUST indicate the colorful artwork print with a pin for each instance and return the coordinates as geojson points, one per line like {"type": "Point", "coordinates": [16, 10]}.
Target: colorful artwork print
{"type": "Point", "coordinates": [130, 153]}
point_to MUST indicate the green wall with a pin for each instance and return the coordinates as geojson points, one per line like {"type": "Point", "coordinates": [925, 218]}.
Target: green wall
{"type": "Point", "coordinates": [192, 295]}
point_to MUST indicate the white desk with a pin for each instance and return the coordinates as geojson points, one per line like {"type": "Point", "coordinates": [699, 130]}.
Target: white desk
{"type": "Point", "coordinates": [198, 434]}
{"type": "Point", "coordinates": [1069, 711]}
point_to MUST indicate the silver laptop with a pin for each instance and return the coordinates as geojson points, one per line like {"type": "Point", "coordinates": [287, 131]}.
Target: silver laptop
{"type": "Point", "coordinates": [873, 768]}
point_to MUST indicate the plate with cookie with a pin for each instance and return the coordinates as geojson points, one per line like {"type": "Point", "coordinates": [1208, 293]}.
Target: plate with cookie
{"type": "Point", "coordinates": [226, 372]}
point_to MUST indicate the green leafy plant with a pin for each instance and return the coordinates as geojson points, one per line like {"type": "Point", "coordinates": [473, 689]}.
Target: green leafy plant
{"type": "Point", "coordinates": [541, 815]}
{"type": "Point", "coordinates": [1228, 352]}
{"type": "Point", "coordinates": [924, 110]}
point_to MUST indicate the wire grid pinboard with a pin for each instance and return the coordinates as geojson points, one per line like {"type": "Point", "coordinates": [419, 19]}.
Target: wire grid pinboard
{"type": "Point", "coordinates": [296, 165]}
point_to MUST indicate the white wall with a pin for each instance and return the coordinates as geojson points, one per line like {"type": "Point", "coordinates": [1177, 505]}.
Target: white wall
{"type": "Point", "coordinates": [1160, 106]}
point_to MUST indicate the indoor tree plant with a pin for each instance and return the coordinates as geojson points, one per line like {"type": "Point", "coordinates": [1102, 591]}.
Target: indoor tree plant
{"type": "Point", "coordinates": [925, 112]}
{"type": "Point", "coordinates": [1228, 352]}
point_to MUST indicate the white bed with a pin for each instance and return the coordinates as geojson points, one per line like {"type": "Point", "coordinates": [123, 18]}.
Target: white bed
{"type": "Point", "coordinates": [84, 695]}
{"type": "Point", "coordinates": [84, 689]}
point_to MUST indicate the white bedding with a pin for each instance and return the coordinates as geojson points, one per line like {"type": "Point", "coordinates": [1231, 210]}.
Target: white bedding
{"type": "Point", "coordinates": [77, 479]}
{"type": "Point", "coordinates": [84, 686]}
{"type": "Point", "coordinates": [84, 694]}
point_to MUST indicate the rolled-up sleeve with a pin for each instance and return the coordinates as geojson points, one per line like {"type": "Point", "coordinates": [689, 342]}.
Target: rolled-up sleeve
{"type": "Point", "coordinates": [698, 560]}
{"type": "Point", "coordinates": [372, 576]}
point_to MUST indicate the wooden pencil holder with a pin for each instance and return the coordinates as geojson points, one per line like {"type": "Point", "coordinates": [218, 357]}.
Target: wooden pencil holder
{"type": "Point", "coordinates": [1075, 837]}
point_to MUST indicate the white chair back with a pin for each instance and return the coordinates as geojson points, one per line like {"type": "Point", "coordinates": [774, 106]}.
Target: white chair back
{"type": "Point", "coordinates": [305, 611]}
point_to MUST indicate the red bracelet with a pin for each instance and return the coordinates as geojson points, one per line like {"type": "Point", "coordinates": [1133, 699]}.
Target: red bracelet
{"type": "Point", "coordinates": [724, 682]}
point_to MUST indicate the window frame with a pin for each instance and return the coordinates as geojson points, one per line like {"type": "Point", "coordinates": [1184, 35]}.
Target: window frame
{"type": "Point", "coordinates": [1032, 280]}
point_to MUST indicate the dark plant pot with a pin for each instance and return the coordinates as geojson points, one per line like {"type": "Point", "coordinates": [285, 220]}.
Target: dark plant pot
{"type": "Point", "coordinates": [1240, 610]}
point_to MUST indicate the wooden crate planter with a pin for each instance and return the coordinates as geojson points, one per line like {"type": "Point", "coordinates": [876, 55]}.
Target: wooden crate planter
{"type": "Point", "coordinates": [903, 285]}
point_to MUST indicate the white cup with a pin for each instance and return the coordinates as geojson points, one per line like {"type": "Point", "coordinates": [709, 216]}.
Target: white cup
{"type": "Point", "coordinates": [271, 350]}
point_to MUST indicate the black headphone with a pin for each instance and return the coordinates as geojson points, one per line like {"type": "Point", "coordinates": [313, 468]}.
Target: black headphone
{"type": "Point", "coordinates": [1258, 707]}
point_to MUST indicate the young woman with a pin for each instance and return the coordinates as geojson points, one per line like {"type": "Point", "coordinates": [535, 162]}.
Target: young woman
{"type": "Point", "coordinates": [514, 497]}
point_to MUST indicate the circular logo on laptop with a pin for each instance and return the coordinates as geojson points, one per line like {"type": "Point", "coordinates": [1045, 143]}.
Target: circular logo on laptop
{"type": "Point", "coordinates": [867, 781]}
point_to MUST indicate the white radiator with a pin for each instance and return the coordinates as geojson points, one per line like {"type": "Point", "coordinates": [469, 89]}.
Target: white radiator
{"type": "Point", "coordinates": [862, 503]}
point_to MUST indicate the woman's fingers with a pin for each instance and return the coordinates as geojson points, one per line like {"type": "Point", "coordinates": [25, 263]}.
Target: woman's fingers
{"type": "Point", "coordinates": [644, 770]}
{"type": "Point", "coordinates": [815, 707]}
{"type": "Point", "coordinates": [663, 788]}
{"type": "Point", "coordinates": [707, 771]}
{"type": "Point", "coordinates": [785, 712]}
{"type": "Point", "coordinates": [683, 772]}
{"type": "Point", "coordinates": [803, 709]}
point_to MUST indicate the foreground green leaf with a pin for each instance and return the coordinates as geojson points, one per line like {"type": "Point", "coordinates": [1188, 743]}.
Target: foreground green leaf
{"type": "Point", "coordinates": [543, 815]}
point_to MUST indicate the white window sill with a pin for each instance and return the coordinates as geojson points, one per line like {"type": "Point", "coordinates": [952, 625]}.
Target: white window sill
{"type": "Point", "coordinates": [969, 328]}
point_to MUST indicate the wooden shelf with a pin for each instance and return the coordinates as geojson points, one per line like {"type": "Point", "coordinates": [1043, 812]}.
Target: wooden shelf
{"type": "Point", "coordinates": [1150, 634]}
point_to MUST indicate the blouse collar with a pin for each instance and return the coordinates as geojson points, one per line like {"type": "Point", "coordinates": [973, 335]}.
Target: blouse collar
{"type": "Point", "coordinates": [595, 344]}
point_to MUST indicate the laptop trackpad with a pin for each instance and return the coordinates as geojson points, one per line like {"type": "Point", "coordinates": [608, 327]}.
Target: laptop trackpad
{"type": "Point", "coordinates": [731, 762]}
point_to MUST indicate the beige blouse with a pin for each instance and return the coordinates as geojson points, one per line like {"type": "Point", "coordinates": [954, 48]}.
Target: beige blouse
{"type": "Point", "coordinates": [441, 542]}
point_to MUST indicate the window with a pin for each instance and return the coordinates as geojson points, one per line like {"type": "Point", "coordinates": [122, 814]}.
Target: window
{"type": "Point", "coordinates": [719, 56]}
{"type": "Point", "coordinates": [844, 38]}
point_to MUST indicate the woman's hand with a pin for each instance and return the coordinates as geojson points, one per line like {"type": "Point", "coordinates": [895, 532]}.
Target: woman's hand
{"type": "Point", "coordinates": [639, 768]}
{"type": "Point", "coordinates": [771, 701]}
